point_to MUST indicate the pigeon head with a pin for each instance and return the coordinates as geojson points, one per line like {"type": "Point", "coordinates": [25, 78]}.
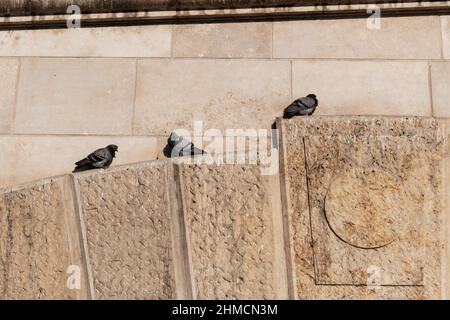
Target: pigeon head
{"type": "Point", "coordinates": [113, 149]}
{"type": "Point", "coordinates": [173, 139]}
{"type": "Point", "coordinates": [313, 96]}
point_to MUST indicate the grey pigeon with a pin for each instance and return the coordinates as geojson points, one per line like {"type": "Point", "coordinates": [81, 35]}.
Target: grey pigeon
{"type": "Point", "coordinates": [301, 107]}
{"type": "Point", "coordinates": [180, 147]}
{"type": "Point", "coordinates": [100, 158]}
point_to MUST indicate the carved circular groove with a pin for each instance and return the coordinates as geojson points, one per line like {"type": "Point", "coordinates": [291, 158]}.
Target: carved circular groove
{"type": "Point", "coordinates": [360, 207]}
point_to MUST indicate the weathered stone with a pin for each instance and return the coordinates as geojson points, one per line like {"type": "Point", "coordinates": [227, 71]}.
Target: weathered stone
{"type": "Point", "coordinates": [405, 38]}
{"type": "Point", "coordinates": [230, 232]}
{"type": "Point", "coordinates": [229, 40]}
{"type": "Point", "coordinates": [128, 234]}
{"type": "Point", "coordinates": [392, 88]}
{"type": "Point", "coordinates": [39, 242]}
{"type": "Point", "coordinates": [8, 69]}
{"type": "Point", "coordinates": [364, 194]}
{"type": "Point", "coordinates": [27, 158]}
{"type": "Point", "coordinates": [134, 41]}
{"type": "Point", "coordinates": [440, 80]}
{"type": "Point", "coordinates": [75, 96]}
{"type": "Point", "coordinates": [224, 94]}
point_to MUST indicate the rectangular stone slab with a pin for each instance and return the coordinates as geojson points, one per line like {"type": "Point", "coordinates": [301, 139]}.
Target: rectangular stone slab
{"type": "Point", "coordinates": [363, 197]}
{"type": "Point", "coordinates": [128, 235]}
{"type": "Point", "coordinates": [39, 242]}
{"type": "Point", "coordinates": [232, 232]}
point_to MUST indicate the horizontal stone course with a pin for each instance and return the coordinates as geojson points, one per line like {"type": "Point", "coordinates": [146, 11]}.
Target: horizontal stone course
{"type": "Point", "coordinates": [75, 96]}
{"type": "Point", "coordinates": [172, 94]}
{"type": "Point", "coordinates": [9, 69]}
{"type": "Point", "coordinates": [229, 40]}
{"type": "Point", "coordinates": [397, 38]}
{"type": "Point", "coordinates": [133, 41]}
{"type": "Point", "coordinates": [389, 88]}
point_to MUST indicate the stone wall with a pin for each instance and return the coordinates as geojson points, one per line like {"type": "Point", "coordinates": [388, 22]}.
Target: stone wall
{"type": "Point", "coordinates": [65, 92]}
{"type": "Point", "coordinates": [359, 210]}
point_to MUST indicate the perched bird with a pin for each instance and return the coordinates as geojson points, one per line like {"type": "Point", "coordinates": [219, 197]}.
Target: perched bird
{"type": "Point", "coordinates": [301, 107]}
{"type": "Point", "coordinates": [180, 147]}
{"type": "Point", "coordinates": [100, 158]}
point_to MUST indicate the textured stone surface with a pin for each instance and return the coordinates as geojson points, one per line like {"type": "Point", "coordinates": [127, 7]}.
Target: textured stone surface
{"type": "Point", "coordinates": [364, 87]}
{"type": "Point", "coordinates": [230, 230]}
{"type": "Point", "coordinates": [139, 41]}
{"type": "Point", "coordinates": [225, 40]}
{"type": "Point", "coordinates": [75, 96]}
{"type": "Point", "coordinates": [31, 157]}
{"type": "Point", "coordinates": [8, 69]}
{"type": "Point", "coordinates": [128, 236]}
{"type": "Point", "coordinates": [364, 193]}
{"type": "Point", "coordinates": [440, 79]}
{"type": "Point", "coordinates": [171, 94]}
{"type": "Point", "coordinates": [38, 242]}
{"type": "Point", "coordinates": [397, 38]}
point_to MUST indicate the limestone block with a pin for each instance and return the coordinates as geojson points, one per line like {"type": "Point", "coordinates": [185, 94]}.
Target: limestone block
{"type": "Point", "coordinates": [8, 69]}
{"type": "Point", "coordinates": [39, 242]}
{"type": "Point", "coordinates": [75, 96]}
{"type": "Point", "coordinates": [397, 38]}
{"type": "Point", "coordinates": [393, 88]}
{"type": "Point", "coordinates": [233, 232]}
{"type": "Point", "coordinates": [445, 25]}
{"type": "Point", "coordinates": [128, 234]}
{"type": "Point", "coordinates": [222, 93]}
{"type": "Point", "coordinates": [223, 40]}
{"type": "Point", "coordinates": [27, 158]}
{"type": "Point", "coordinates": [135, 41]}
{"type": "Point", "coordinates": [364, 205]}
{"type": "Point", "coordinates": [440, 80]}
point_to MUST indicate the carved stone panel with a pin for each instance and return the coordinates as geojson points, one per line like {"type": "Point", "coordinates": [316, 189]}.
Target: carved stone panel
{"type": "Point", "coordinates": [39, 248]}
{"type": "Point", "coordinates": [230, 230]}
{"type": "Point", "coordinates": [364, 205]}
{"type": "Point", "coordinates": [128, 232]}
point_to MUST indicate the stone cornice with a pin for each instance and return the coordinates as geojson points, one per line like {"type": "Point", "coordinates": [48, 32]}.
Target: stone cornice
{"type": "Point", "coordinates": [25, 14]}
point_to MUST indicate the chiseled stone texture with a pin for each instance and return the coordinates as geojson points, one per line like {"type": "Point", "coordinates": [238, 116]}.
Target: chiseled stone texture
{"type": "Point", "coordinates": [229, 230]}
{"type": "Point", "coordinates": [8, 69]}
{"type": "Point", "coordinates": [364, 193]}
{"type": "Point", "coordinates": [223, 93]}
{"type": "Point", "coordinates": [135, 41]}
{"type": "Point", "coordinates": [35, 248]}
{"type": "Point", "coordinates": [397, 38]}
{"type": "Point", "coordinates": [397, 88]}
{"type": "Point", "coordinates": [440, 79]}
{"type": "Point", "coordinates": [223, 40]}
{"type": "Point", "coordinates": [127, 221]}
{"type": "Point", "coordinates": [27, 158]}
{"type": "Point", "coordinates": [75, 96]}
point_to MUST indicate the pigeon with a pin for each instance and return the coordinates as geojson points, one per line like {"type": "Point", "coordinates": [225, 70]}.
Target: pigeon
{"type": "Point", "coordinates": [99, 159]}
{"type": "Point", "coordinates": [301, 107]}
{"type": "Point", "coordinates": [180, 147]}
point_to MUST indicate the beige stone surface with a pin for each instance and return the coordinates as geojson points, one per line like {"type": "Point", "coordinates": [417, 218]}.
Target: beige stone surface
{"type": "Point", "coordinates": [75, 96]}
{"type": "Point", "coordinates": [27, 158]}
{"type": "Point", "coordinates": [445, 26]}
{"type": "Point", "coordinates": [8, 69]}
{"type": "Point", "coordinates": [38, 242]}
{"type": "Point", "coordinates": [364, 87]}
{"type": "Point", "coordinates": [397, 38]}
{"type": "Point", "coordinates": [222, 93]}
{"type": "Point", "coordinates": [440, 79]}
{"type": "Point", "coordinates": [230, 231]}
{"type": "Point", "coordinates": [364, 194]}
{"type": "Point", "coordinates": [127, 219]}
{"type": "Point", "coordinates": [223, 40]}
{"type": "Point", "coordinates": [136, 41]}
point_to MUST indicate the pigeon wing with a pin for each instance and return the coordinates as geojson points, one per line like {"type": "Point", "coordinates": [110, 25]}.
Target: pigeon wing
{"type": "Point", "coordinates": [290, 111]}
{"type": "Point", "coordinates": [99, 155]}
{"type": "Point", "coordinates": [307, 102]}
